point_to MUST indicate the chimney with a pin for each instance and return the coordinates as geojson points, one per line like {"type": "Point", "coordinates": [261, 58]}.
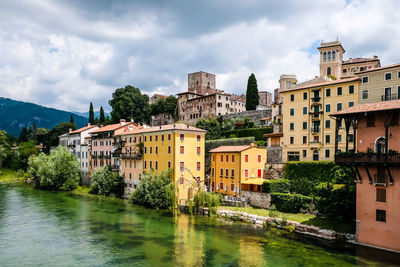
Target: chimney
{"type": "Point", "coordinates": [375, 57]}
{"type": "Point", "coordinates": [122, 122]}
{"type": "Point", "coordinates": [252, 144]}
{"type": "Point", "coordinates": [70, 130]}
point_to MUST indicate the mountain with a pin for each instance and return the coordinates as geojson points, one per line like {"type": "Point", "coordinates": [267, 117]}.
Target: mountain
{"type": "Point", "coordinates": [14, 115]}
{"type": "Point", "coordinates": [86, 114]}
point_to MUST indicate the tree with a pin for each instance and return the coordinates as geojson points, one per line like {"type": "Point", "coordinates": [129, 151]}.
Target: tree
{"type": "Point", "coordinates": [129, 103]}
{"type": "Point", "coordinates": [91, 114]}
{"type": "Point", "coordinates": [58, 171]}
{"type": "Point", "coordinates": [106, 182]}
{"type": "Point", "coordinates": [212, 126]}
{"type": "Point", "coordinates": [71, 119]}
{"type": "Point", "coordinates": [158, 107]}
{"type": "Point", "coordinates": [24, 135]}
{"type": "Point", "coordinates": [42, 134]}
{"type": "Point", "coordinates": [58, 130]}
{"type": "Point", "coordinates": [171, 106]}
{"type": "Point", "coordinates": [25, 150]}
{"type": "Point", "coordinates": [102, 117]}
{"type": "Point", "coordinates": [252, 97]}
{"type": "Point", "coordinates": [4, 146]}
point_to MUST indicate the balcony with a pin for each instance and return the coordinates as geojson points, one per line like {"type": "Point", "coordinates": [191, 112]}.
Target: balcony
{"type": "Point", "coordinates": [348, 158]}
{"type": "Point", "coordinates": [389, 97]}
{"type": "Point", "coordinates": [315, 130]}
{"type": "Point", "coordinates": [131, 155]}
{"type": "Point", "coordinates": [316, 115]}
{"type": "Point", "coordinates": [115, 168]}
{"type": "Point", "coordinates": [316, 99]}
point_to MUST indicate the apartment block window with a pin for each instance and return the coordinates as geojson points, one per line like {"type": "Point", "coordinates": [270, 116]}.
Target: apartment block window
{"type": "Point", "coordinates": [381, 215]}
{"type": "Point", "coordinates": [339, 106]}
{"type": "Point", "coordinates": [365, 94]}
{"type": "Point", "coordinates": [156, 138]}
{"type": "Point", "coordinates": [156, 165]}
{"type": "Point", "coordinates": [398, 75]}
{"type": "Point", "coordinates": [169, 149]}
{"type": "Point", "coordinates": [304, 139]}
{"type": "Point", "coordinates": [198, 150]}
{"type": "Point", "coordinates": [351, 89]}
{"type": "Point", "coordinates": [182, 149]}
{"type": "Point", "coordinates": [145, 138]}
{"type": "Point", "coordinates": [292, 97]}
{"type": "Point", "coordinates": [198, 137]}
{"type": "Point", "coordinates": [351, 103]}
{"type": "Point", "coordinates": [227, 173]}
{"type": "Point", "coordinates": [182, 137]}
{"type": "Point", "coordinates": [305, 95]}
{"type": "Point", "coordinates": [381, 195]}
{"type": "Point", "coordinates": [198, 166]}
{"type": "Point", "coordinates": [227, 158]}
{"type": "Point", "coordinates": [151, 150]}
{"type": "Point", "coordinates": [232, 173]}
{"type": "Point", "coordinates": [370, 120]}
{"type": "Point", "coordinates": [169, 136]}
{"type": "Point", "coordinates": [305, 110]}
{"type": "Point", "coordinates": [212, 172]}
{"type": "Point", "coordinates": [169, 165]}
{"type": "Point", "coordinates": [246, 173]}
{"type": "Point", "coordinates": [221, 173]}
{"type": "Point", "coordinates": [328, 92]}
{"type": "Point", "coordinates": [327, 139]}
{"type": "Point", "coordinates": [156, 149]}
{"type": "Point", "coordinates": [182, 166]}
{"type": "Point", "coordinates": [328, 107]}
{"type": "Point", "coordinates": [327, 153]}
{"type": "Point", "coordinates": [151, 138]}
{"type": "Point", "coordinates": [339, 138]}
{"type": "Point", "coordinates": [162, 138]}
{"type": "Point", "coordinates": [246, 158]}
{"type": "Point", "coordinates": [145, 150]}
{"type": "Point", "coordinates": [304, 125]}
{"type": "Point", "coordinates": [351, 138]}
{"type": "Point", "coordinates": [304, 153]}
{"type": "Point", "coordinates": [222, 158]}
{"type": "Point", "coordinates": [365, 79]}
{"type": "Point", "coordinates": [213, 157]}
{"type": "Point", "coordinates": [292, 112]}
{"type": "Point", "coordinates": [233, 158]}
{"type": "Point", "coordinates": [259, 158]}
{"type": "Point", "coordinates": [388, 76]}
{"type": "Point", "coordinates": [339, 91]}
{"type": "Point", "coordinates": [292, 126]}
{"type": "Point", "coordinates": [151, 164]}
{"type": "Point", "coordinates": [259, 172]}
{"type": "Point", "coordinates": [291, 140]}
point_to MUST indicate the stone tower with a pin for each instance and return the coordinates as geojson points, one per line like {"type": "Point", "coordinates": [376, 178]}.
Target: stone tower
{"type": "Point", "coordinates": [202, 83]}
{"type": "Point", "coordinates": [331, 58]}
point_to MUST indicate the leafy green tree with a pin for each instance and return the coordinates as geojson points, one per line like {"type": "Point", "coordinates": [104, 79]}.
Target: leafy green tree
{"type": "Point", "coordinates": [58, 171]}
{"type": "Point", "coordinates": [25, 150]}
{"type": "Point", "coordinates": [212, 126]}
{"type": "Point", "coordinates": [252, 97]}
{"type": "Point", "coordinates": [4, 147]}
{"type": "Point", "coordinates": [171, 106]}
{"type": "Point", "coordinates": [106, 182]}
{"type": "Point", "coordinates": [24, 135]}
{"type": "Point", "coordinates": [130, 103]}
{"type": "Point", "coordinates": [102, 117]}
{"type": "Point", "coordinates": [42, 134]}
{"type": "Point", "coordinates": [58, 130]}
{"type": "Point", "coordinates": [91, 114]}
{"type": "Point", "coordinates": [158, 107]}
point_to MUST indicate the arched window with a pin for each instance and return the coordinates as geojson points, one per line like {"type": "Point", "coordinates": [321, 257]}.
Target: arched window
{"type": "Point", "coordinates": [328, 71]}
{"type": "Point", "coordinates": [324, 56]}
{"type": "Point", "coordinates": [329, 56]}
{"type": "Point", "coordinates": [333, 55]}
{"type": "Point", "coordinates": [380, 145]}
{"type": "Point", "coordinates": [315, 155]}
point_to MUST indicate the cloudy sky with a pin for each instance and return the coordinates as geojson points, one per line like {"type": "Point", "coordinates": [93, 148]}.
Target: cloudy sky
{"type": "Point", "coordinates": [64, 54]}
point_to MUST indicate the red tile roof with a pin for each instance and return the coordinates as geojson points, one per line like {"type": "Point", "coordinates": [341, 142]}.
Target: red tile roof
{"type": "Point", "coordinates": [162, 96]}
{"type": "Point", "coordinates": [111, 127]}
{"type": "Point", "coordinates": [380, 68]}
{"type": "Point", "coordinates": [359, 60]}
{"type": "Point", "coordinates": [168, 127]}
{"type": "Point", "coordinates": [83, 129]}
{"type": "Point", "coordinates": [370, 107]}
{"type": "Point", "coordinates": [229, 149]}
{"type": "Point", "coordinates": [322, 84]}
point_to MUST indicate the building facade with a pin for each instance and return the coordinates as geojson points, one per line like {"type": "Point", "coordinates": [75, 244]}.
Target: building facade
{"type": "Point", "coordinates": [233, 165]}
{"type": "Point", "coordinates": [156, 97]}
{"type": "Point", "coordinates": [265, 99]}
{"type": "Point", "coordinates": [376, 169]}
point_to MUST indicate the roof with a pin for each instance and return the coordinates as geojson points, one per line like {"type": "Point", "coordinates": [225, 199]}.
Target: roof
{"type": "Point", "coordinates": [169, 127]}
{"type": "Point", "coordinates": [193, 93]}
{"type": "Point", "coordinates": [266, 119]}
{"type": "Point", "coordinates": [380, 68]}
{"type": "Point", "coordinates": [352, 79]}
{"type": "Point", "coordinates": [83, 129]}
{"type": "Point", "coordinates": [230, 149]}
{"type": "Point", "coordinates": [359, 60]}
{"type": "Point", "coordinates": [162, 96]}
{"type": "Point", "coordinates": [111, 127]}
{"type": "Point", "coordinates": [370, 107]}
{"type": "Point", "coordinates": [256, 181]}
{"type": "Point", "coordinates": [273, 135]}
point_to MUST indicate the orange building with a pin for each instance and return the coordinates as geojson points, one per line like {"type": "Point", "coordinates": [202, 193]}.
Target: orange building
{"type": "Point", "coordinates": [234, 166]}
{"type": "Point", "coordinates": [375, 163]}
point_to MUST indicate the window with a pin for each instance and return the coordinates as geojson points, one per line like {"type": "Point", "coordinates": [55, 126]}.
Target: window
{"type": "Point", "coordinates": [246, 158]}
{"type": "Point", "coordinates": [198, 150]}
{"type": "Point", "coordinates": [398, 75]}
{"type": "Point", "coordinates": [198, 166]}
{"type": "Point", "coordinates": [259, 158]}
{"type": "Point", "coordinates": [351, 89]}
{"type": "Point", "coordinates": [339, 91]}
{"type": "Point", "coordinates": [145, 150]}
{"type": "Point", "coordinates": [151, 164]}
{"type": "Point", "coordinates": [304, 139]}
{"type": "Point", "coordinates": [304, 110]}
{"type": "Point", "coordinates": [246, 173]}
{"type": "Point", "coordinates": [227, 158]}
{"type": "Point", "coordinates": [233, 158]}
{"type": "Point", "coordinates": [328, 92]}
{"type": "Point", "coordinates": [327, 153]}
{"type": "Point", "coordinates": [381, 215]}
{"type": "Point", "coordinates": [370, 120]}
{"type": "Point", "coordinates": [151, 150]}
{"type": "Point", "coordinates": [169, 136]}
{"type": "Point", "coordinates": [304, 125]}
{"type": "Point", "coordinates": [169, 149]}
{"type": "Point", "coordinates": [151, 138]}
{"type": "Point", "coordinates": [388, 76]}
{"type": "Point", "coordinates": [212, 172]}
{"type": "Point", "coordinates": [292, 97]}
{"type": "Point", "coordinates": [339, 106]}
{"type": "Point", "coordinates": [227, 173]}
{"type": "Point", "coordinates": [232, 173]}
{"type": "Point", "coordinates": [259, 172]}
{"type": "Point", "coordinates": [315, 155]}
{"type": "Point", "coordinates": [324, 56]}
{"type": "Point", "coordinates": [364, 79]}
{"type": "Point", "coordinates": [339, 138]}
{"type": "Point", "coordinates": [198, 137]}
{"type": "Point", "coordinates": [328, 107]}
{"type": "Point", "coordinates": [292, 112]}
{"type": "Point", "coordinates": [182, 137]}
{"type": "Point", "coordinates": [221, 172]}
{"type": "Point", "coordinates": [304, 153]}
{"type": "Point", "coordinates": [327, 138]}
{"type": "Point", "coordinates": [156, 137]}
{"type": "Point", "coordinates": [232, 187]}
{"type": "Point", "coordinates": [291, 140]}
{"type": "Point", "coordinates": [305, 95]}
{"type": "Point", "coordinates": [292, 126]}
{"type": "Point", "coordinates": [213, 158]}
{"type": "Point", "coordinates": [156, 149]}
{"type": "Point", "coordinates": [222, 158]}
{"type": "Point", "coordinates": [162, 138]}
{"type": "Point", "coordinates": [182, 166]}
{"type": "Point", "coordinates": [156, 165]}
{"type": "Point", "coordinates": [381, 194]}
{"type": "Point", "coordinates": [365, 94]}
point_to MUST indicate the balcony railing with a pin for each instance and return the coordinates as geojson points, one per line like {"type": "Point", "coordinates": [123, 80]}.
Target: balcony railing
{"type": "Point", "coordinates": [390, 97]}
{"type": "Point", "coordinates": [316, 98]}
{"type": "Point", "coordinates": [315, 130]}
{"type": "Point", "coordinates": [372, 158]}
{"type": "Point", "coordinates": [130, 155]}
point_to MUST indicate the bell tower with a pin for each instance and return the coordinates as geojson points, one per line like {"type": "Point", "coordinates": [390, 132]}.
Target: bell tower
{"type": "Point", "coordinates": [331, 58]}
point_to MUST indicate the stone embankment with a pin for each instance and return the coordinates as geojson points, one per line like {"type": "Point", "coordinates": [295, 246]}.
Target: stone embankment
{"type": "Point", "coordinates": [284, 224]}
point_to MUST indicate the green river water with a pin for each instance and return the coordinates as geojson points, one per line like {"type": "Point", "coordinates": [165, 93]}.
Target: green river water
{"type": "Point", "coordinates": [39, 228]}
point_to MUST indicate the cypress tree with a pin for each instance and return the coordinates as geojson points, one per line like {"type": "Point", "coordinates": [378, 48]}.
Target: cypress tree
{"type": "Point", "coordinates": [102, 117]}
{"type": "Point", "coordinates": [71, 119]}
{"type": "Point", "coordinates": [91, 114]}
{"type": "Point", "coordinates": [252, 97]}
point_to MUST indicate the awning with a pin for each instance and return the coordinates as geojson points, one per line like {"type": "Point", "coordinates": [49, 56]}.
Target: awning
{"type": "Point", "coordinates": [256, 181]}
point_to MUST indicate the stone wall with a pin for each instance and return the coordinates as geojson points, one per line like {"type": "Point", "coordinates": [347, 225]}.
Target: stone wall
{"type": "Point", "coordinates": [274, 154]}
{"type": "Point", "coordinates": [273, 171]}
{"type": "Point", "coordinates": [257, 199]}
{"type": "Point", "coordinates": [254, 115]}
{"type": "Point", "coordinates": [161, 119]}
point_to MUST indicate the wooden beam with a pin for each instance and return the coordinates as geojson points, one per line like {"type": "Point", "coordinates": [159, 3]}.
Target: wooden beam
{"type": "Point", "coordinates": [359, 176]}
{"type": "Point", "coordinates": [390, 174]}
{"type": "Point", "coordinates": [369, 175]}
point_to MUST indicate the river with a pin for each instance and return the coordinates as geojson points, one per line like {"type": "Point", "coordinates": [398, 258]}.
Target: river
{"type": "Point", "coordinates": [60, 229]}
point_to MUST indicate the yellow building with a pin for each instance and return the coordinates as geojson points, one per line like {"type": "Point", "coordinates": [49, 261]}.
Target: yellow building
{"type": "Point", "coordinates": [308, 131]}
{"type": "Point", "coordinates": [233, 165]}
{"type": "Point", "coordinates": [178, 147]}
